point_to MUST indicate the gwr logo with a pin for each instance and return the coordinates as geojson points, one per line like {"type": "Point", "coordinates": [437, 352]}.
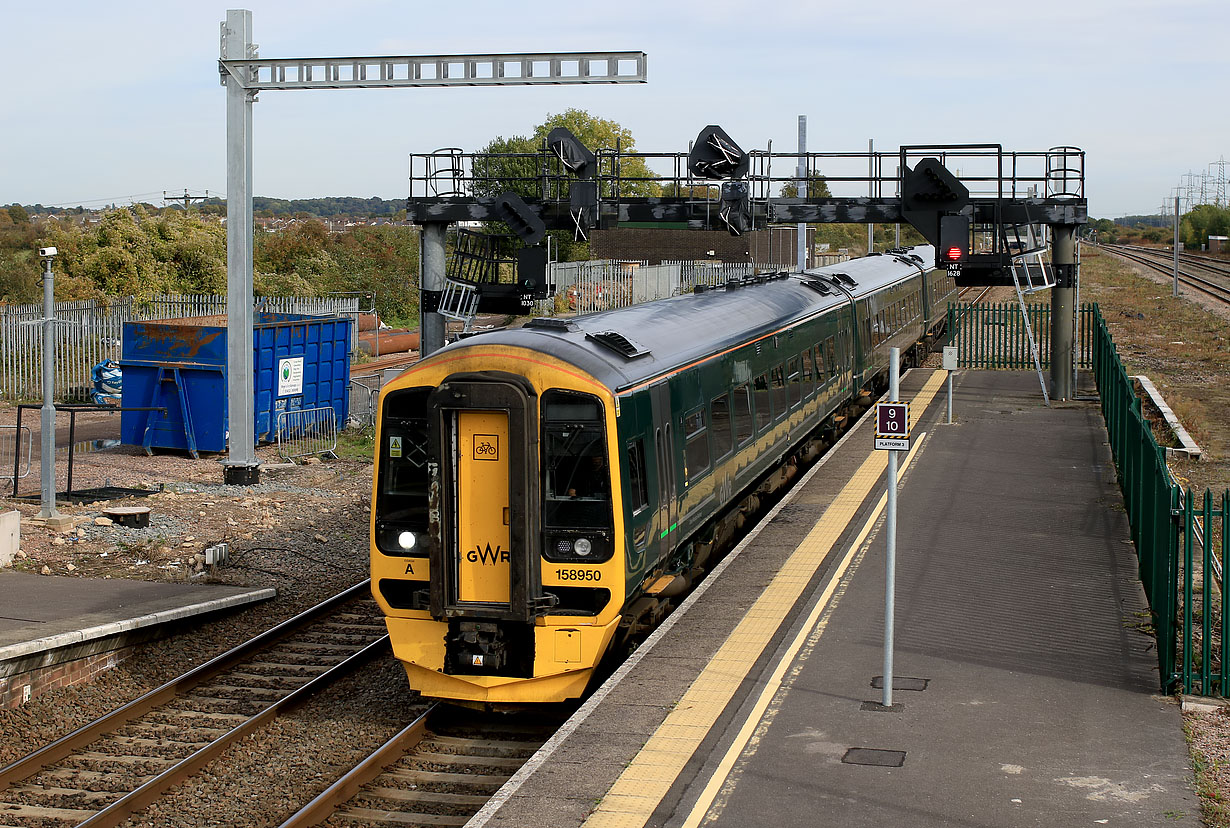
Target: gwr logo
{"type": "Point", "coordinates": [488, 555]}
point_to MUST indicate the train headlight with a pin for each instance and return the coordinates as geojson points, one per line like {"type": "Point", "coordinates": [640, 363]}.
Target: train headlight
{"type": "Point", "coordinates": [582, 547]}
{"type": "Point", "coordinates": [407, 540]}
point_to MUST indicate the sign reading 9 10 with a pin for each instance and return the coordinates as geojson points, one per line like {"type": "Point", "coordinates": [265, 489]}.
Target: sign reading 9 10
{"type": "Point", "coordinates": [892, 425]}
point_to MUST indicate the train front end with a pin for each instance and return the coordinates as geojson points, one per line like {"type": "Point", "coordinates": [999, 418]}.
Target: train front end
{"type": "Point", "coordinates": [496, 551]}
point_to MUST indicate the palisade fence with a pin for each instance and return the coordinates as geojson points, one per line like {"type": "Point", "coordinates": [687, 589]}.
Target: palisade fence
{"type": "Point", "coordinates": [993, 335]}
{"type": "Point", "coordinates": [89, 332]}
{"type": "Point", "coordinates": [1181, 540]}
{"type": "Point", "coordinates": [604, 284]}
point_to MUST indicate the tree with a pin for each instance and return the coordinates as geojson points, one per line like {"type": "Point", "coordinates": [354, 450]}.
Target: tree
{"type": "Point", "coordinates": [817, 187]}
{"type": "Point", "coordinates": [18, 214]}
{"type": "Point", "coordinates": [507, 164]}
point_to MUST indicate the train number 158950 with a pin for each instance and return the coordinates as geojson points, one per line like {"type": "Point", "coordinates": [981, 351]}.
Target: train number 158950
{"type": "Point", "coordinates": [578, 574]}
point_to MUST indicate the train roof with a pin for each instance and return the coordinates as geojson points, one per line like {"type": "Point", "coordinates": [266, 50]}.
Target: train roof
{"type": "Point", "coordinates": [628, 346]}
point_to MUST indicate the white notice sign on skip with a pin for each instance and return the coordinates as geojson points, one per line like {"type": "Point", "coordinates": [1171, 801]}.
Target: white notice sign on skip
{"type": "Point", "coordinates": [290, 376]}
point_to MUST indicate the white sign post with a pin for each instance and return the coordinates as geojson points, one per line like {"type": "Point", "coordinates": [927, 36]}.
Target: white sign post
{"type": "Point", "coordinates": [950, 365]}
{"type": "Point", "coordinates": [893, 435]}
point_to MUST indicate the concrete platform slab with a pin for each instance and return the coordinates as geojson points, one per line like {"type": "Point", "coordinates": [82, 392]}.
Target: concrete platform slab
{"type": "Point", "coordinates": [47, 621]}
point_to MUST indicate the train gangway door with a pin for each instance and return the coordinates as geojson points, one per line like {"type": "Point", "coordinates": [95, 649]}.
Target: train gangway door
{"type": "Point", "coordinates": [483, 541]}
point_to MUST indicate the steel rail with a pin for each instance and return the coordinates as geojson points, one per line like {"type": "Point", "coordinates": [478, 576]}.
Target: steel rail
{"type": "Point", "coordinates": [141, 797]}
{"type": "Point", "coordinates": [349, 784]}
{"type": "Point", "coordinates": [146, 792]}
{"type": "Point", "coordinates": [1212, 289]}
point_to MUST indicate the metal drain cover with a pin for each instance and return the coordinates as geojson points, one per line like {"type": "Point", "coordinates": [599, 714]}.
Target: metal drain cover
{"type": "Point", "coordinates": [901, 683]}
{"type": "Point", "coordinates": [875, 757]}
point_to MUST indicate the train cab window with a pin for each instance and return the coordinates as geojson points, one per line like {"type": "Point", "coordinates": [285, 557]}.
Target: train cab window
{"type": "Point", "coordinates": [779, 392]}
{"type": "Point", "coordinates": [794, 382]}
{"type": "Point", "coordinates": [401, 498]}
{"type": "Point", "coordinates": [638, 485]}
{"type": "Point", "coordinates": [576, 477]}
{"type": "Point", "coordinates": [719, 418]}
{"type": "Point", "coordinates": [743, 414]}
{"type": "Point", "coordinates": [696, 445]}
{"type": "Point", "coordinates": [764, 411]}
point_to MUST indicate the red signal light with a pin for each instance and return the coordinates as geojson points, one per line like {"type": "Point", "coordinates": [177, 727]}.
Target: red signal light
{"type": "Point", "coordinates": [953, 254]}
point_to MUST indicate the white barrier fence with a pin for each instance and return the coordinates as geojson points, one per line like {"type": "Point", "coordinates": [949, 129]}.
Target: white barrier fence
{"type": "Point", "coordinates": [86, 333]}
{"type": "Point", "coordinates": [307, 431]}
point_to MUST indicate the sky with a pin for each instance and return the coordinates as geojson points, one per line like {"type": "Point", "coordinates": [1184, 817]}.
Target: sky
{"type": "Point", "coordinates": [111, 102]}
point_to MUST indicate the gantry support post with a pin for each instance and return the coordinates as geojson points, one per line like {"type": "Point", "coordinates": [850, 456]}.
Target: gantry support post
{"type": "Point", "coordinates": [240, 466]}
{"type": "Point", "coordinates": [1063, 316]}
{"type": "Point", "coordinates": [431, 279]}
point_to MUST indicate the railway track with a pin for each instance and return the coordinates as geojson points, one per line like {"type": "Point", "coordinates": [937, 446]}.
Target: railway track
{"type": "Point", "coordinates": [1218, 287]}
{"type": "Point", "coordinates": [440, 770]}
{"type": "Point", "coordinates": [119, 764]}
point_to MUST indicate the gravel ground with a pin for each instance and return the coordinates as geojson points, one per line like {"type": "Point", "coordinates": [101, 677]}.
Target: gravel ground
{"type": "Point", "coordinates": [302, 530]}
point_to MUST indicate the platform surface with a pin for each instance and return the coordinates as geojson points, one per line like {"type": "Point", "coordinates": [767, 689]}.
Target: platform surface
{"type": "Point", "coordinates": [43, 612]}
{"type": "Point", "coordinates": [1018, 610]}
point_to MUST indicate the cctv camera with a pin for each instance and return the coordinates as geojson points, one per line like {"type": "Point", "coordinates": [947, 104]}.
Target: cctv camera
{"type": "Point", "coordinates": [47, 252]}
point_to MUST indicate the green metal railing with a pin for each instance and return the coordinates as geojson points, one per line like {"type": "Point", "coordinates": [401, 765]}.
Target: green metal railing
{"type": "Point", "coordinates": [1165, 521]}
{"type": "Point", "coordinates": [993, 336]}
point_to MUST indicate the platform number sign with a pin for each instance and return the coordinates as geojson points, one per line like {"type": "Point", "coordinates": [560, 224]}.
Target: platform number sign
{"type": "Point", "coordinates": [892, 426]}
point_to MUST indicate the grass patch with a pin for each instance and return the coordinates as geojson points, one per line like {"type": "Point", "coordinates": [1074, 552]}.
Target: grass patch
{"type": "Point", "coordinates": [357, 444]}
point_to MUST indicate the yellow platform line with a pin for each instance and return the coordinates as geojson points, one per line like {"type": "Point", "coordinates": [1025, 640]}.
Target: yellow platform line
{"type": "Point", "coordinates": [644, 783]}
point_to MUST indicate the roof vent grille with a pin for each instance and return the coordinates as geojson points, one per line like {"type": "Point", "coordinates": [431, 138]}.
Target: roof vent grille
{"type": "Point", "coordinates": [551, 324]}
{"type": "Point", "coordinates": [618, 343]}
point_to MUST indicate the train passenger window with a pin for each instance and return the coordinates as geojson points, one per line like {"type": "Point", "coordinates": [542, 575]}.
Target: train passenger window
{"type": "Point", "coordinates": [830, 356]}
{"type": "Point", "coordinates": [743, 414]}
{"type": "Point", "coordinates": [809, 374]}
{"type": "Point", "coordinates": [779, 392]}
{"type": "Point", "coordinates": [764, 411]}
{"type": "Point", "coordinates": [794, 382]}
{"type": "Point", "coordinates": [822, 373]}
{"type": "Point", "coordinates": [696, 445]}
{"type": "Point", "coordinates": [638, 485]}
{"type": "Point", "coordinates": [577, 485]}
{"type": "Point", "coordinates": [719, 418]}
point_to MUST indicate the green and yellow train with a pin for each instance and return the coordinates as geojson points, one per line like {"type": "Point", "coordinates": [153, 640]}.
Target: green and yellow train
{"type": "Point", "coordinates": [542, 495]}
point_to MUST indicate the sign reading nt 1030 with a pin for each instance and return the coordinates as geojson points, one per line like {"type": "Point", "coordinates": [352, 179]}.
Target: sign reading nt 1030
{"type": "Point", "coordinates": [893, 426]}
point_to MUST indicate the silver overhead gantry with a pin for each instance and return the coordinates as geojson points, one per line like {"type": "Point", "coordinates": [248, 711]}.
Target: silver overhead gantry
{"type": "Point", "coordinates": [244, 75]}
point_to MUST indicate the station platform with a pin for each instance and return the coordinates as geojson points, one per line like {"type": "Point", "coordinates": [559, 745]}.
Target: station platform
{"type": "Point", "coordinates": [1026, 686]}
{"type": "Point", "coordinates": [56, 631]}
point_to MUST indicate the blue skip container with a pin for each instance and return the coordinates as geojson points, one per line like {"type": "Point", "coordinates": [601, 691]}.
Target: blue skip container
{"type": "Point", "coordinates": [299, 362]}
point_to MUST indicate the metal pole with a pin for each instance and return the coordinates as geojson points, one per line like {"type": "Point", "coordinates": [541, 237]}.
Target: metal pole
{"type": "Point", "coordinates": [802, 226]}
{"type": "Point", "coordinates": [241, 466]}
{"type": "Point", "coordinates": [950, 398]}
{"type": "Point", "coordinates": [871, 174]}
{"type": "Point", "coordinates": [1063, 323]}
{"type": "Point", "coordinates": [431, 323]}
{"type": "Point", "coordinates": [47, 466]}
{"type": "Point", "coordinates": [890, 563]}
{"type": "Point", "coordinates": [1175, 291]}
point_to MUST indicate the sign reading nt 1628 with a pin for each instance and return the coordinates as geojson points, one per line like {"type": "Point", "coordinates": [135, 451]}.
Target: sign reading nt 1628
{"type": "Point", "coordinates": [893, 426]}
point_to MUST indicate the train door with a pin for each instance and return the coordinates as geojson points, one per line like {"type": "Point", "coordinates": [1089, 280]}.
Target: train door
{"type": "Point", "coordinates": [664, 453]}
{"type": "Point", "coordinates": [483, 539]}
{"type": "Point", "coordinates": [483, 543]}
